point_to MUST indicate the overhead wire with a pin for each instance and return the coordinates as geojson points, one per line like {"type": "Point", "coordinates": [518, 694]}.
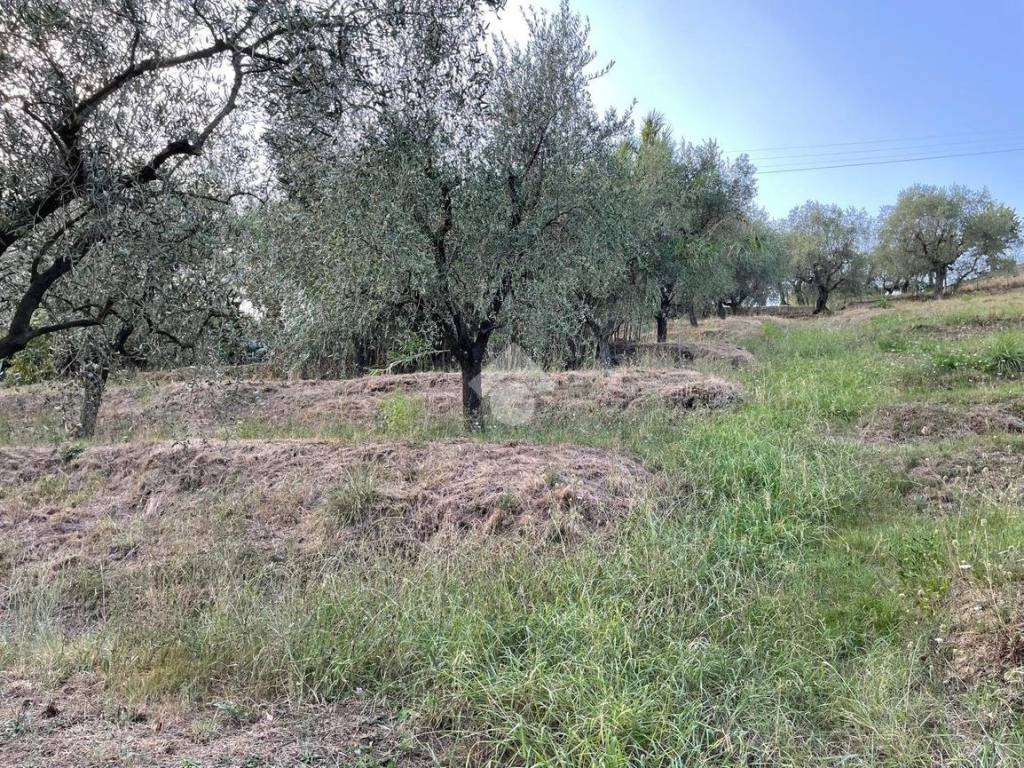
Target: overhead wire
{"type": "Point", "coordinates": [873, 141]}
{"type": "Point", "coordinates": [890, 161]}
{"type": "Point", "coordinates": [852, 154]}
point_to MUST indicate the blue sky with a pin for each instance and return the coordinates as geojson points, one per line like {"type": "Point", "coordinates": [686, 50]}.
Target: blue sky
{"type": "Point", "coordinates": [941, 77]}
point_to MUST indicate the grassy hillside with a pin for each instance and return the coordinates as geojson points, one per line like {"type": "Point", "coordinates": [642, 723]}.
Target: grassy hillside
{"type": "Point", "coordinates": [828, 573]}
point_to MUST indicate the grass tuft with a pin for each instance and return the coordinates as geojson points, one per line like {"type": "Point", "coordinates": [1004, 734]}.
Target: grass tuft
{"type": "Point", "coordinates": [354, 499]}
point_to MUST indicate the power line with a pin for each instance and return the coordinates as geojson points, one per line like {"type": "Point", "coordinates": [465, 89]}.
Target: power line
{"type": "Point", "coordinates": [891, 162]}
{"type": "Point", "coordinates": [852, 154]}
{"type": "Point", "coordinates": [869, 141]}
{"type": "Point", "coordinates": [891, 154]}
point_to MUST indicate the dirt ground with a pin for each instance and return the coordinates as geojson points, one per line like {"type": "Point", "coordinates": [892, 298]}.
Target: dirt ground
{"type": "Point", "coordinates": [946, 483]}
{"type": "Point", "coordinates": [73, 726]}
{"type": "Point", "coordinates": [904, 422]}
{"type": "Point", "coordinates": [207, 406]}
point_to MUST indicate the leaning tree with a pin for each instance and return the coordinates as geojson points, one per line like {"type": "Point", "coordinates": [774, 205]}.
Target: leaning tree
{"type": "Point", "coordinates": [946, 232]}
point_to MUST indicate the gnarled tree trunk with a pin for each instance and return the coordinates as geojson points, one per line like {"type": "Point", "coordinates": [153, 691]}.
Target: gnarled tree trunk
{"type": "Point", "coordinates": [604, 351]}
{"type": "Point", "coordinates": [821, 304]}
{"type": "Point", "coordinates": [939, 287]}
{"type": "Point", "coordinates": [472, 393]}
{"type": "Point", "coordinates": [664, 310]}
{"type": "Point", "coordinates": [470, 355]}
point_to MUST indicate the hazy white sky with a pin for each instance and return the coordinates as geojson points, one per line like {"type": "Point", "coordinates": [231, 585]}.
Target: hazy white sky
{"type": "Point", "coordinates": [876, 80]}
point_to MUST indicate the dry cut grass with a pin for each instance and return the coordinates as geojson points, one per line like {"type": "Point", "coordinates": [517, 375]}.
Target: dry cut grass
{"type": "Point", "coordinates": [132, 505]}
{"type": "Point", "coordinates": [69, 725]}
{"type": "Point", "coordinates": [205, 407]}
{"type": "Point", "coordinates": [939, 421]}
{"type": "Point", "coordinates": [970, 477]}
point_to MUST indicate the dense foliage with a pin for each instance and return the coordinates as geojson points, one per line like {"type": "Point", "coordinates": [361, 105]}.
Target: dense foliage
{"type": "Point", "coordinates": [944, 234]}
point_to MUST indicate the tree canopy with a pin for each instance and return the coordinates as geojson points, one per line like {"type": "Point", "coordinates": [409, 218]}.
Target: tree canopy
{"type": "Point", "coordinates": [946, 233]}
{"type": "Point", "coordinates": [827, 246]}
{"type": "Point", "coordinates": [474, 203]}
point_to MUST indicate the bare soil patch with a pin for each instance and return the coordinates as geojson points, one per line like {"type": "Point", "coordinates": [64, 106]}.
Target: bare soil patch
{"type": "Point", "coordinates": [73, 726]}
{"type": "Point", "coordinates": [939, 421]}
{"type": "Point", "coordinates": [984, 641]}
{"type": "Point", "coordinates": [133, 505]}
{"type": "Point", "coordinates": [209, 406]}
{"type": "Point", "coordinates": [967, 328]}
{"type": "Point", "coordinates": [946, 483]}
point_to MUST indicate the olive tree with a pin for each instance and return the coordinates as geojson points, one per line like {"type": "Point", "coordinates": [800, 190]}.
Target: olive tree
{"type": "Point", "coordinates": [108, 107]}
{"type": "Point", "coordinates": [709, 193]}
{"type": "Point", "coordinates": [105, 108]}
{"type": "Point", "coordinates": [753, 258]}
{"type": "Point", "coordinates": [177, 298]}
{"type": "Point", "coordinates": [658, 186]}
{"type": "Point", "coordinates": [946, 233]}
{"type": "Point", "coordinates": [612, 273]}
{"type": "Point", "coordinates": [826, 247]}
{"type": "Point", "coordinates": [611, 279]}
{"type": "Point", "coordinates": [463, 196]}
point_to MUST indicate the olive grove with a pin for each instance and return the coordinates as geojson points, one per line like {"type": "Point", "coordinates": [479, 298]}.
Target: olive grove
{"type": "Point", "coordinates": [124, 126]}
{"type": "Point", "coordinates": [369, 184]}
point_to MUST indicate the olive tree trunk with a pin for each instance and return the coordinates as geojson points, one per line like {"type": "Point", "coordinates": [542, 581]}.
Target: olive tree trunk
{"type": "Point", "coordinates": [662, 322]}
{"type": "Point", "coordinates": [472, 393]}
{"type": "Point", "coordinates": [939, 287]}
{"type": "Point", "coordinates": [821, 304]}
{"type": "Point", "coordinates": [94, 383]}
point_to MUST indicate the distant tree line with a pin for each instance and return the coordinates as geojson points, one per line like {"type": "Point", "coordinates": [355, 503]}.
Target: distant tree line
{"type": "Point", "coordinates": [363, 184]}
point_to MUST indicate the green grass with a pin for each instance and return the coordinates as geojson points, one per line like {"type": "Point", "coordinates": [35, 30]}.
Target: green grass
{"type": "Point", "coordinates": [774, 604]}
{"type": "Point", "coordinates": [354, 499]}
{"type": "Point", "coordinates": [1001, 354]}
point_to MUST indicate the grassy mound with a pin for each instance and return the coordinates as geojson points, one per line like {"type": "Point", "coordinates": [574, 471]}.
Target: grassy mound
{"type": "Point", "coordinates": [980, 475]}
{"type": "Point", "coordinates": [941, 421]}
{"type": "Point", "coordinates": [140, 505]}
{"type": "Point", "coordinates": [686, 352]}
